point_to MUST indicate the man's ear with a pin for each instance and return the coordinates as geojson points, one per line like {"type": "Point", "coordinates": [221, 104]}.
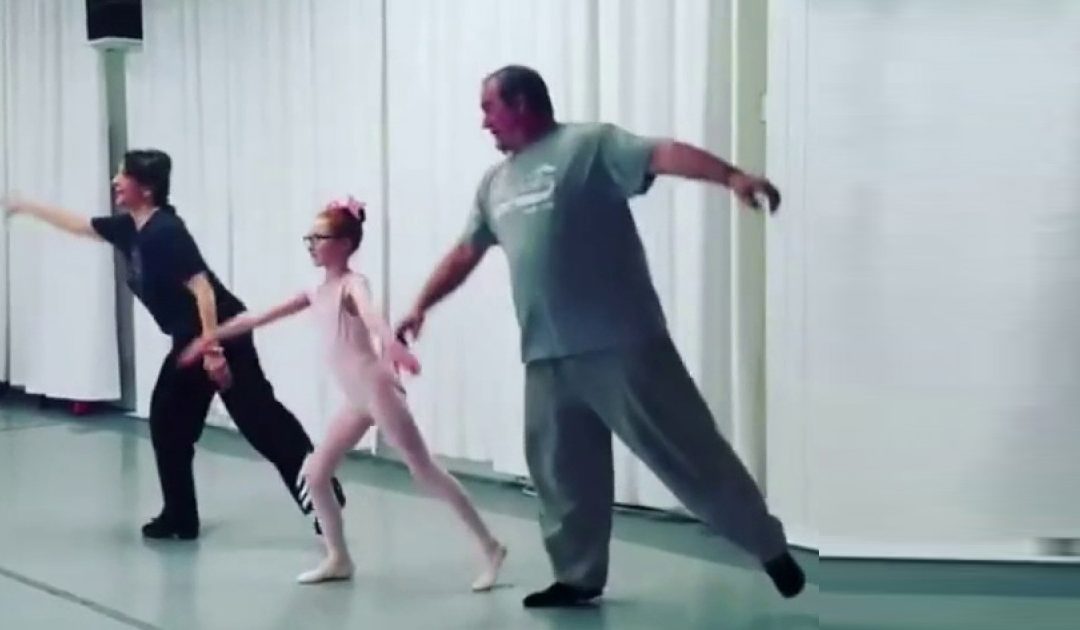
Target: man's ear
{"type": "Point", "coordinates": [520, 107]}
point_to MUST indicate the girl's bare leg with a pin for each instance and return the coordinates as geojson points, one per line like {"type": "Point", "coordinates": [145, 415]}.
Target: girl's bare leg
{"type": "Point", "coordinates": [394, 419]}
{"type": "Point", "coordinates": [348, 427]}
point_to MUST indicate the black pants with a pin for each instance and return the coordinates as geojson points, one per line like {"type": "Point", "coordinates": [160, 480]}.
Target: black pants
{"type": "Point", "coordinates": [178, 409]}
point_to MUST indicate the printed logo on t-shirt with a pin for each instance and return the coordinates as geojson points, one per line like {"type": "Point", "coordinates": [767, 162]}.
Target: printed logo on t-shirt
{"type": "Point", "coordinates": [535, 193]}
{"type": "Point", "coordinates": [135, 271]}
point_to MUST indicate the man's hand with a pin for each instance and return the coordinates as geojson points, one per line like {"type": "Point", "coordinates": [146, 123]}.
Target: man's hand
{"type": "Point", "coordinates": [217, 368]}
{"type": "Point", "coordinates": [409, 326]}
{"type": "Point", "coordinates": [749, 188]}
{"type": "Point", "coordinates": [672, 157]}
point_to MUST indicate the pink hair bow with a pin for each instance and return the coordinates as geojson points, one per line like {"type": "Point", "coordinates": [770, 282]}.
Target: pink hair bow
{"type": "Point", "coordinates": [350, 204]}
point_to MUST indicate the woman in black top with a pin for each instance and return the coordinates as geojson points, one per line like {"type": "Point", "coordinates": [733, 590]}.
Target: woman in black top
{"type": "Point", "coordinates": [169, 276]}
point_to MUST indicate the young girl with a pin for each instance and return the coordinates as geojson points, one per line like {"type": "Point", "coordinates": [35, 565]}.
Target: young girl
{"type": "Point", "coordinates": [365, 358]}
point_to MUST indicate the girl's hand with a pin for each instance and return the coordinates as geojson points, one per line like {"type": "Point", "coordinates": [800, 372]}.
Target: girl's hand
{"type": "Point", "coordinates": [400, 357]}
{"type": "Point", "coordinates": [195, 350]}
{"type": "Point", "coordinates": [217, 368]}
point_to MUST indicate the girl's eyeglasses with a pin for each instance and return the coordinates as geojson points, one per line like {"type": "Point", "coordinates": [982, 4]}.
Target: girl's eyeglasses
{"type": "Point", "coordinates": [311, 239]}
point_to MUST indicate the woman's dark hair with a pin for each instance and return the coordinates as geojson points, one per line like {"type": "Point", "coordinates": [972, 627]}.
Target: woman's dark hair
{"type": "Point", "coordinates": [343, 223]}
{"type": "Point", "coordinates": [151, 168]}
{"type": "Point", "coordinates": [526, 84]}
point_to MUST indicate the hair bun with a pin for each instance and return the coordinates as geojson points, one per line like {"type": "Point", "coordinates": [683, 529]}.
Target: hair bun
{"type": "Point", "coordinates": [351, 205]}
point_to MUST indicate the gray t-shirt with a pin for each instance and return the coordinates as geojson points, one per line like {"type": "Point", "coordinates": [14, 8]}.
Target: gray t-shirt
{"type": "Point", "coordinates": [559, 210]}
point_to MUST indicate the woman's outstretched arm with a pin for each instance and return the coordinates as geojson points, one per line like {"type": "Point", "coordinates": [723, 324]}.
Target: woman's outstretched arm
{"type": "Point", "coordinates": [57, 217]}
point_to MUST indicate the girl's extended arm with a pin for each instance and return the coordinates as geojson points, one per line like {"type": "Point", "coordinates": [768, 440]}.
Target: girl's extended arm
{"type": "Point", "coordinates": [244, 323]}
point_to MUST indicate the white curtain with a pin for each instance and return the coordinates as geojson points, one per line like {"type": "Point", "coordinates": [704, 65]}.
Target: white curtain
{"type": "Point", "coordinates": [923, 337]}
{"type": "Point", "coordinates": [642, 64]}
{"type": "Point", "coordinates": [61, 319]}
{"type": "Point", "coordinates": [5, 115]}
{"type": "Point", "coordinates": [270, 107]}
{"type": "Point", "coordinates": [469, 401]}
{"type": "Point", "coordinates": [263, 128]}
{"type": "Point", "coordinates": [655, 78]}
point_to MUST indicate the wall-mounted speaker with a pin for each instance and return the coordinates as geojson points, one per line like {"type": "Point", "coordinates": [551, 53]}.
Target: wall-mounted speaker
{"type": "Point", "coordinates": [114, 23]}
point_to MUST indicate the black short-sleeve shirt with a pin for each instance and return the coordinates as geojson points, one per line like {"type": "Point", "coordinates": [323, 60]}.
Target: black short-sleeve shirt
{"type": "Point", "coordinates": [161, 258]}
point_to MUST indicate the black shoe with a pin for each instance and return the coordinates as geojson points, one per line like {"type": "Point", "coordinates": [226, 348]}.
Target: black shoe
{"type": "Point", "coordinates": [163, 528]}
{"type": "Point", "coordinates": [561, 595]}
{"type": "Point", "coordinates": [786, 575]}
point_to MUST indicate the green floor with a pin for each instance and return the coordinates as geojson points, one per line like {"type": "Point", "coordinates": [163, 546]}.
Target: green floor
{"type": "Point", "coordinates": [75, 491]}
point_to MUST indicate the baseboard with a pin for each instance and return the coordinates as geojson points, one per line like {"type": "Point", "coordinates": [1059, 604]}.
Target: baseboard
{"type": "Point", "coordinates": [1007, 551]}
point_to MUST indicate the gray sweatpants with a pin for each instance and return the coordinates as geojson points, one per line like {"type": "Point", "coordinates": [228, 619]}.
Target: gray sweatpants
{"type": "Point", "coordinates": [647, 398]}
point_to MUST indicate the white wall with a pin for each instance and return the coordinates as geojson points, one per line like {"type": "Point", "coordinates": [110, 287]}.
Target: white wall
{"type": "Point", "coordinates": [924, 353]}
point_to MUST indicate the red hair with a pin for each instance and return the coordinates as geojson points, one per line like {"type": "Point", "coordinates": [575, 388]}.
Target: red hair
{"type": "Point", "coordinates": [346, 219]}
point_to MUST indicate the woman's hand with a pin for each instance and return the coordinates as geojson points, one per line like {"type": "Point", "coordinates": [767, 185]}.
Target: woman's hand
{"type": "Point", "coordinates": [217, 368]}
{"type": "Point", "coordinates": [14, 205]}
{"type": "Point", "coordinates": [65, 220]}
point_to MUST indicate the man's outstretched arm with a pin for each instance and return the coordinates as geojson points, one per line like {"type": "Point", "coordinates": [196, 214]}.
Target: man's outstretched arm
{"type": "Point", "coordinates": [454, 268]}
{"type": "Point", "coordinates": [671, 157]}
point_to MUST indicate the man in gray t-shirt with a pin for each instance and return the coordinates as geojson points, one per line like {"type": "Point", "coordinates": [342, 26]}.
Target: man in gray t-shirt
{"type": "Point", "coordinates": [559, 211]}
{"type": "Point", "coordinates": [598, 357]}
